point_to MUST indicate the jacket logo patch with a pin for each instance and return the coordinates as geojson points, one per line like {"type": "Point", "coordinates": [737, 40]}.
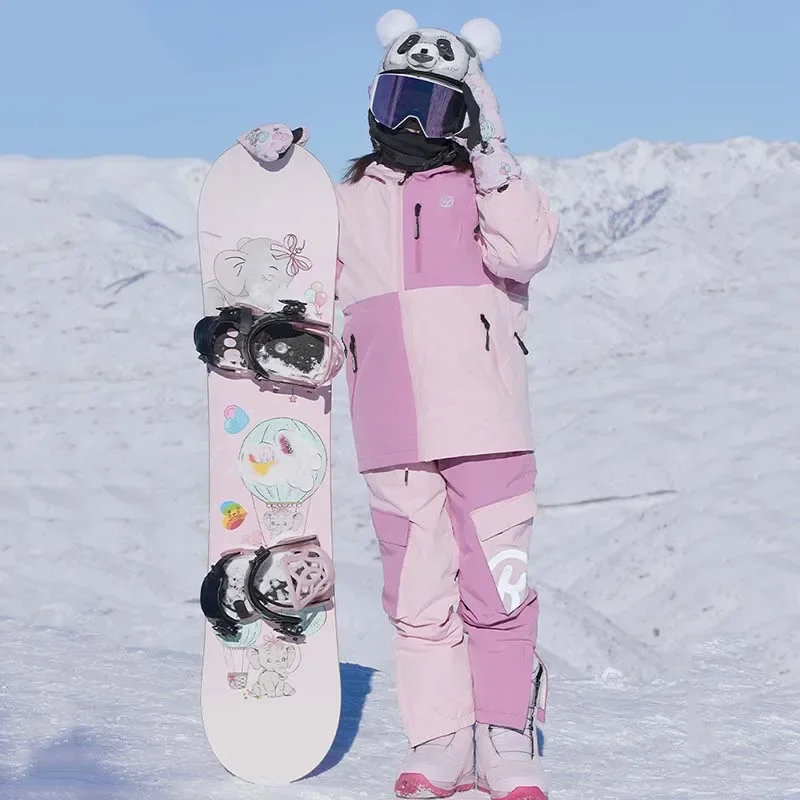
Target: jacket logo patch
{"type": "Point", "coordinates": [446, 200]}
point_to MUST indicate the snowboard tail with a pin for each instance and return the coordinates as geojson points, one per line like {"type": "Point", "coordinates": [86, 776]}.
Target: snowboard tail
{"type": "Point", "coordinates": [268, 236]}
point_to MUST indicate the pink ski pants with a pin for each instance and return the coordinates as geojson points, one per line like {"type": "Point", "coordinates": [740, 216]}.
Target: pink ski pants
{"type": "Point", "coordinates": [454, 538]}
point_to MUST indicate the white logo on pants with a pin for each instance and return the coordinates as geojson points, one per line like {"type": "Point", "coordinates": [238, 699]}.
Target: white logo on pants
{"type": "Point", "coordinates": [512, 592]}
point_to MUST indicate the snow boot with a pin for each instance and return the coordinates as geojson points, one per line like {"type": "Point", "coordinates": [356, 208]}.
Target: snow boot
{"type": "Point", "coordinates": [440, 767]}
{"type": "Point", "coordinates": [508, 761]}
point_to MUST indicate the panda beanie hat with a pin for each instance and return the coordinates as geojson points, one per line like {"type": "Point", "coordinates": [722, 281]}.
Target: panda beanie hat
{"type": "Point", "coordinates": [481, 34]}
{"type": "Point", "coordinates": [436, 53]}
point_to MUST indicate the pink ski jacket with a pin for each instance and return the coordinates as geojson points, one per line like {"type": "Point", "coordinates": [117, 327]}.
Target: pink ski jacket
{"type": "Point", "coordinates": [433, 281]}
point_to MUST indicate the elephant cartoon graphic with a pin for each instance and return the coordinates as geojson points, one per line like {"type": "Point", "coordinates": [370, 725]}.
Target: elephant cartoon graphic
{"type": "Point", "coordinates": [256, 272]}
{"type": "Point", "coordinates": [274, 660]}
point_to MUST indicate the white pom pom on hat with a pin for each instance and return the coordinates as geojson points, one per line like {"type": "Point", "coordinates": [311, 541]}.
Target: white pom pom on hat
{"type": "Point", "coordinates": [483, 35]}
{"type": "Point", "coordinates": [394, 24]}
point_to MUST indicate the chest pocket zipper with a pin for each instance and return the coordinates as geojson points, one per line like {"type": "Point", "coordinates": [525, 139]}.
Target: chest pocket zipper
{"type": "Point", "coordinates": [521, 343]}
{"type": "Point", "coordinates": [417, 259]}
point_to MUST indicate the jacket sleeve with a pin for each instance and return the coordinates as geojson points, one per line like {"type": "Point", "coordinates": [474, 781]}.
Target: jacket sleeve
{"type": "Point", "coordinates": [517, 230]}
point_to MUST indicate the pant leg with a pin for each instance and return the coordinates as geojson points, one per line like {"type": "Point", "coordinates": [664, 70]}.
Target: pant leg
{"type": "Point", "coordinates": [491, 504]}
{"type": "Point", "coordinates": [421, 598]}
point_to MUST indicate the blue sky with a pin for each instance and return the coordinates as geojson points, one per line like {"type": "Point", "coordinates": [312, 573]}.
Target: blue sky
{"type": "Point", "coordinates": [181, 78]}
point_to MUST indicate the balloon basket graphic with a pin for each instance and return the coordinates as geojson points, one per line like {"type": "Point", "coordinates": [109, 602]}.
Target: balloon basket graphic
{"type": "Point", "coordinates": [281, 520]}
{"type": "Point", "coordinates": [237, 680]}
{"type": "Point", "coordinates": [235, 647]}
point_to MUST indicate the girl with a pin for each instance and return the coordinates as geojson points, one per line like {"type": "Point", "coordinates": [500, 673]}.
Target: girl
{"type": "Point", "coordinates": [440, 235]}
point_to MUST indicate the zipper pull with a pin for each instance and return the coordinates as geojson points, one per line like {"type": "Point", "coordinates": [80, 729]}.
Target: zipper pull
{"type": "Point", "coordinates": [521, 343]}
{"type": "Point", "coordinates": [487, 326]}
{"type": "Point", "coordinates": [417, 210]}
{"type": "Point", "coordinates": [353, 352]}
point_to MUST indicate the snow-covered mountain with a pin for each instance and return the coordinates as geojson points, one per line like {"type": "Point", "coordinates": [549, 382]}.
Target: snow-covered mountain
{"type": "Point", "coordinates": [723, 200]}
{"type": "Point", "coordinates": [665, 377]}
{"type": "Point", "coordinates": [666, 366]}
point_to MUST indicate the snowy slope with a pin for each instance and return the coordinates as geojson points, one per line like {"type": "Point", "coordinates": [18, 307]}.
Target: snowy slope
{"type": "Point", "coordinates": [89, 722]}
{"type": "Point", "coordinates": [664, 371]}
{"type": "Point", "coordinates": [668, 364]}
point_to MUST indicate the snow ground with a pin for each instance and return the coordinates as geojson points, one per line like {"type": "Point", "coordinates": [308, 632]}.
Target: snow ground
{"type": "Point", "coordinates": [85, 721]}
{"type": "Point", "coordinates": [666, 380]}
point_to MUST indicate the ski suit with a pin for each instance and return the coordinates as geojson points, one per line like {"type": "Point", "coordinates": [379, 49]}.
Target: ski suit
{"type": "Point", "coordinates": [433, 281]}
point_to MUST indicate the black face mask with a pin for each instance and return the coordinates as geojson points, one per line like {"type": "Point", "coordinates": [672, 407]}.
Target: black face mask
{"type": "Point", "coordinates": [412, 152]}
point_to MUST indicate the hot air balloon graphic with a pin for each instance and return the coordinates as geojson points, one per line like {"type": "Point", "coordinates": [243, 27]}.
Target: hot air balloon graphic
{"type": "Point", "coordinates": [235, 649]}
{"type": "Point", "coordinates": [282, 462]}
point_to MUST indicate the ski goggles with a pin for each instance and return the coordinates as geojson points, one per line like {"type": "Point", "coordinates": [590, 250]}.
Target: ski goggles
{"type": "Point", "coordinates": [438, 107]}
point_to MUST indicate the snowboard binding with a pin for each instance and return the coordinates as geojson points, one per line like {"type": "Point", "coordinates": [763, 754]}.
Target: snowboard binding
{"type": "Point", "coordinates": [283, 346]}
{"type": "Point", "coordinates": [271, 583]}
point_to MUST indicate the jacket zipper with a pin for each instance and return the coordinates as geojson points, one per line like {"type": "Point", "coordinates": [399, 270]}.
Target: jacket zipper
{"type": "Point", "coordinates": [398, 235]}
{"type": "Point", "coordinates": [487, 326]}
{"type": "Point", "coordinates": [353, 352]}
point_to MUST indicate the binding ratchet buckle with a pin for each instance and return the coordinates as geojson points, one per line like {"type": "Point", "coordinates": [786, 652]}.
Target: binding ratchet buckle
{"type": "Point", "coordinates": [283, 346]}
{"type": "Point", "coordinates": [272, 583]}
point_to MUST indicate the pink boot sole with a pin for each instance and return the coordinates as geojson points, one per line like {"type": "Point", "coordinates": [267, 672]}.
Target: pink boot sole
{"type": "Point", "coordinates": [412, 784]}
{"type": "Point", "coordinates": [520, 793]}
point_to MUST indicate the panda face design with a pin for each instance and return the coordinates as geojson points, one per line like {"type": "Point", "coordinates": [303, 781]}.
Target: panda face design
{"type": "Point", "coordinates": [431, 51]}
